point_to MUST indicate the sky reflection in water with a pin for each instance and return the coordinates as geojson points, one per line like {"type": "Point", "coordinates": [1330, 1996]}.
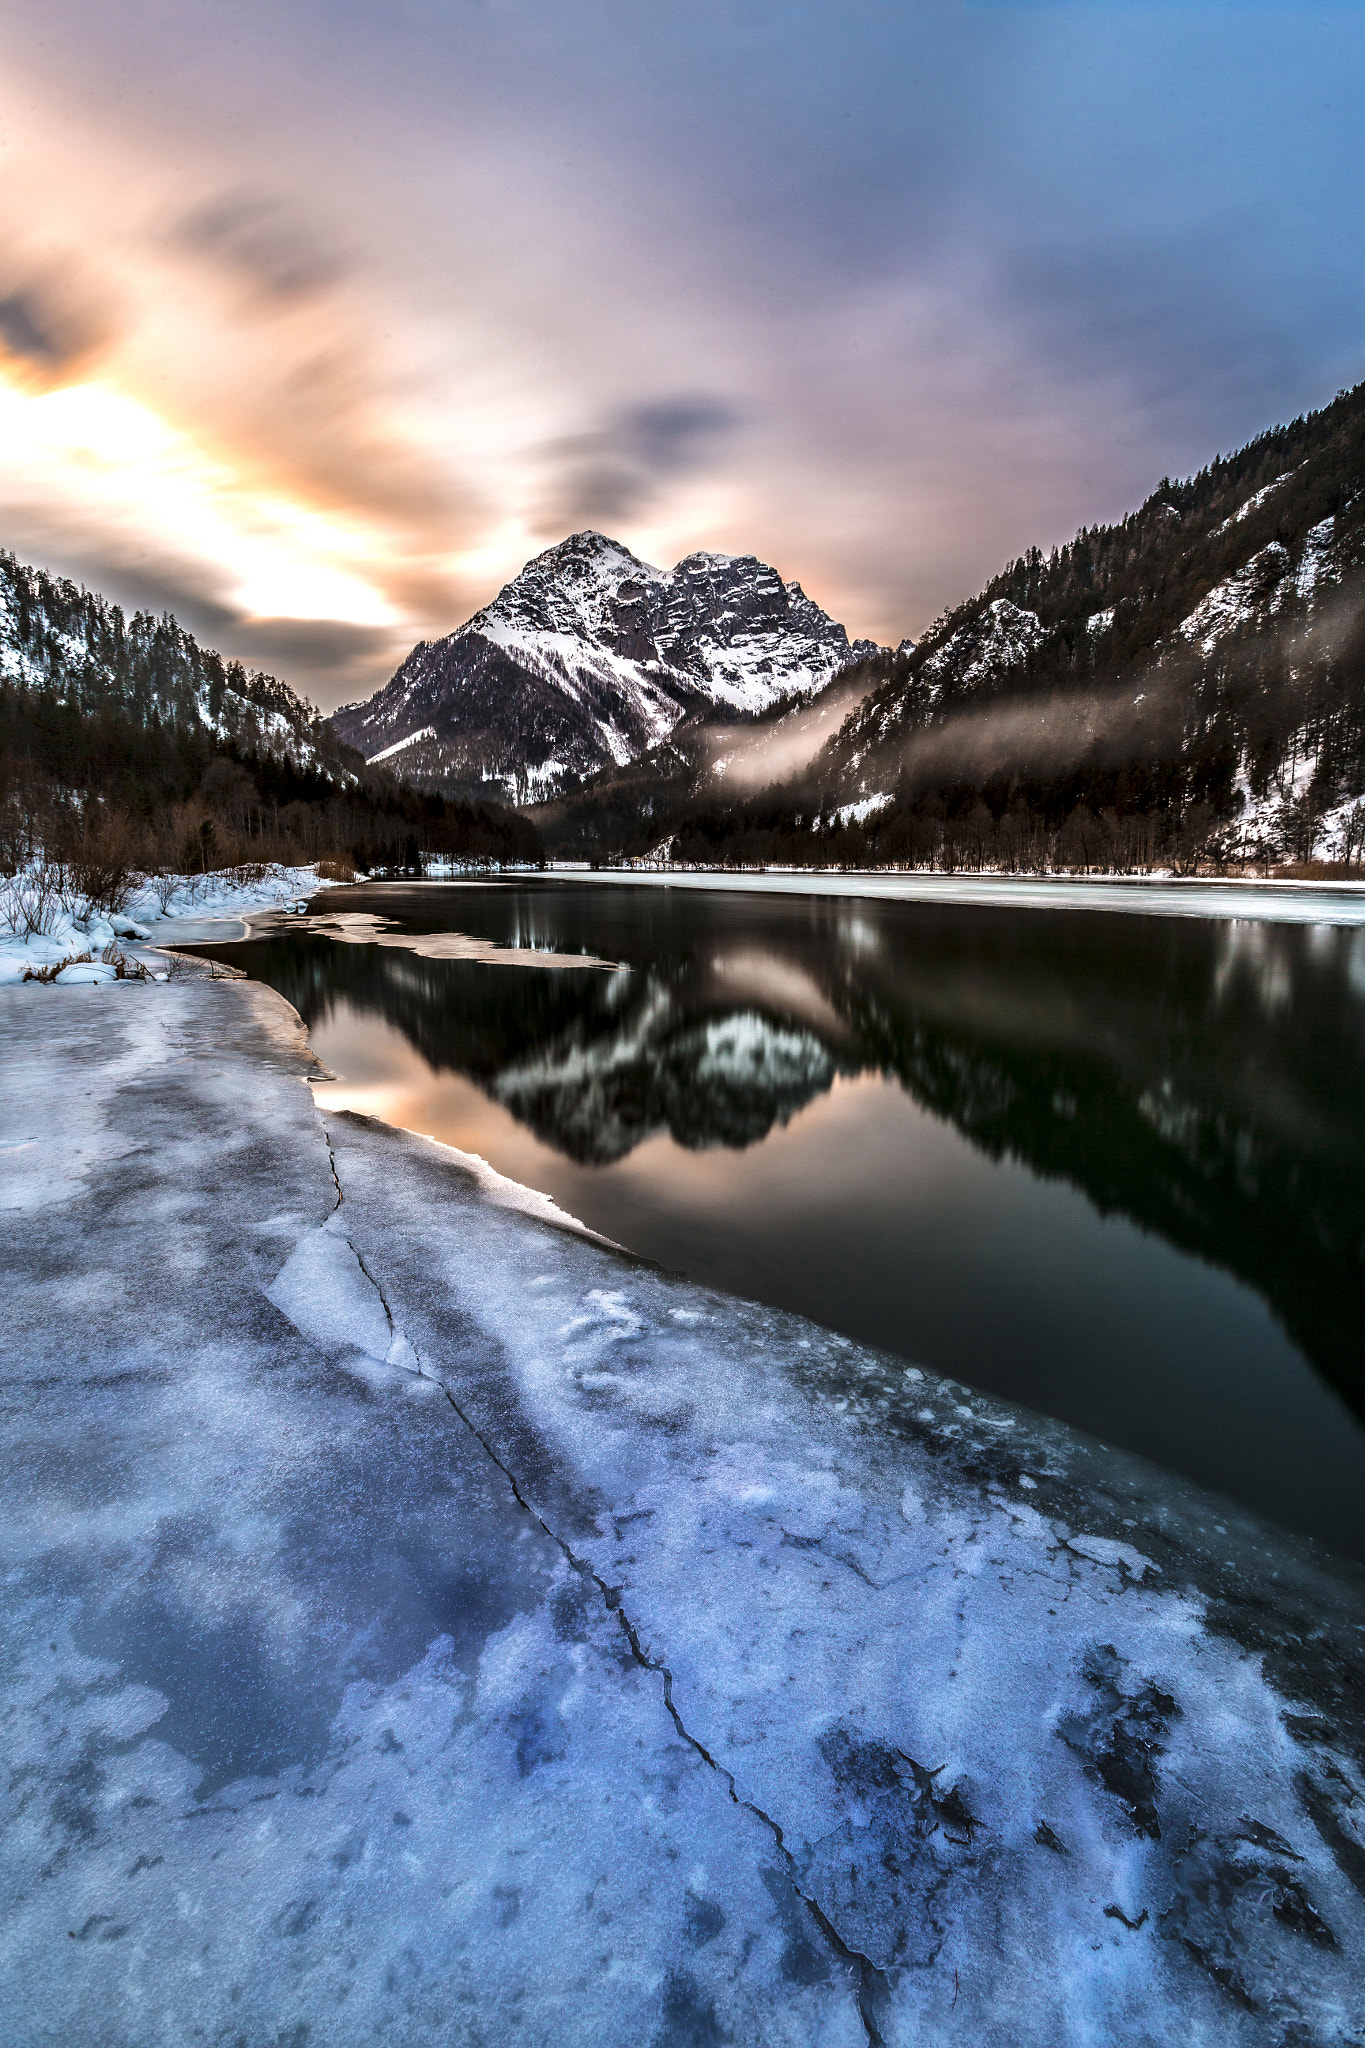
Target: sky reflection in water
{"type": "Point", "coordinates": [1112, 1167]}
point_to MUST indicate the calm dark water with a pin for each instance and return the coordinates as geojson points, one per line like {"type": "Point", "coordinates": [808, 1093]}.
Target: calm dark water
{"type": "Point", "coordinates": [1109, 1166]}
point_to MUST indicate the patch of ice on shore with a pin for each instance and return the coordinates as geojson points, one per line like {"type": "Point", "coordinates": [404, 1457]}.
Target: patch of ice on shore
{"type": "Point", "coordinates": [1106, 1550]}
{"type": "Point", "coordinates": [1261, 902]}
{"type": "Point", "coordinates": [978, 1728]}
{"type": "Point", "coordinates": [314, 1732]}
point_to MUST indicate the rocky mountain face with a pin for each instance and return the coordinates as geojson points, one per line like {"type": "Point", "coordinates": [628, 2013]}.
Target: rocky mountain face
{"type": "Point", "coordinates": [590, 658]}
{"type": "Point", "coordinates": [1206, 656]}
{"type": "Point", "coordinates": [69, 646]}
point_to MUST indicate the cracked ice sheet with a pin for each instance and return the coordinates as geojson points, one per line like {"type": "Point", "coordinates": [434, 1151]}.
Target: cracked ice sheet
{"type": "Point", "coordinates": [1002, 1692]}
{"type": "Point", "coordinates": [333, 1737]}
{"type": "Point", "coordinates": [311, 1732]}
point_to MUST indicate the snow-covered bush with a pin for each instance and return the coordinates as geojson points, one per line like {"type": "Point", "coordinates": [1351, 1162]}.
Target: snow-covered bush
{"type": "Point", "coordinates": [33, 902]}
{"type": "Point", "coordinates": [49, 922]}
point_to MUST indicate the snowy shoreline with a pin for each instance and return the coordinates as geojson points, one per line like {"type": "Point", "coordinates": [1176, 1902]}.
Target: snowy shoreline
{"type": "Point", "coordinates": [415, 1600]}
{"type": "Point", "coordinates": [162, 910]}
{"type": "Point", "coordinates": [1274, 901]}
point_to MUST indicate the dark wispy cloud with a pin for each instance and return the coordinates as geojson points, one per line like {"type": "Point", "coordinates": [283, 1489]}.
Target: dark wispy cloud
{"type": "Point", "coordinates": [262, 242]}
{"type": "Point", "coordinates": [313, 651]}
{"type": "Point", "coordinates": [28, 330]}
{"type": "Point", "coordinates": [52, 320]}
{"type": "Point", "coordinates": [616, 471]}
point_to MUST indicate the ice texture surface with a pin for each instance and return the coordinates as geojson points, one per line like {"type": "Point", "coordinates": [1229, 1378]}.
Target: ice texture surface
{"type": "Point", "coordinates": [423, 1622]}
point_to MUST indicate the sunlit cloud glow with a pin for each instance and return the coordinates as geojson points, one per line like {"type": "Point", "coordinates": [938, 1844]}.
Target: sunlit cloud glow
{"type": "Point", "coordinates": [106, 455]}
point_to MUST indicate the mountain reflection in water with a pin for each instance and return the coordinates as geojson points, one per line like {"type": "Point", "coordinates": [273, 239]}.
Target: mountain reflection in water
{"type": "Point", "coordinates": [1202, 1080]}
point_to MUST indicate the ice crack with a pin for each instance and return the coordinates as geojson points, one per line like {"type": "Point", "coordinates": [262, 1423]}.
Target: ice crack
{"type": "Point", "coordinates": [872, 1986]}
{"type": "Point", "coordinates": [871, 1981]}
{"type": "Point", "coordinates": [400, 1351]}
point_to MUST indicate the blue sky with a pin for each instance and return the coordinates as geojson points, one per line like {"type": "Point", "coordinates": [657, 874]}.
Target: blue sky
{"type": "Point", "coordinates": [320, 319]}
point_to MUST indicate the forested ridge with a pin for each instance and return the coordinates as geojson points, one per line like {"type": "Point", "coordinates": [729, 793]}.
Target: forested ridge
{"type": "Point", "coordinates": [1185, 688]}
{"type": "Point", "coordinates": [124, 743]}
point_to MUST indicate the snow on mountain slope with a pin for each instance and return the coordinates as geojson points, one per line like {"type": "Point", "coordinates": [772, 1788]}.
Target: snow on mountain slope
{"type": "Point", "coordinates": [591, 657]}
{"type": "Point", "coordinates": [1257, 592]}
{"type": "Point", "coordinates": [1003, 636]}
{"type": "Point", "coordinates": [72, 645]}
{"type": "Point", "coordinates": [1253, 503]}
{"type": "Point", "coordinates": [1230, 605]}
{"type": "Point", "coordinates": [999, 638]}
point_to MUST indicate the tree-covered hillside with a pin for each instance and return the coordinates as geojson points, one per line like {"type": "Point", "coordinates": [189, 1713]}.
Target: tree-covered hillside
{"type": "Point", "coordinates": [71, 646]}
{"type": "Point", "coordinates": [1184, 688]}
{"type": "Point", "coordinates": [1194, 676]}
{"type": "Point", "coordinates": [125, 743]}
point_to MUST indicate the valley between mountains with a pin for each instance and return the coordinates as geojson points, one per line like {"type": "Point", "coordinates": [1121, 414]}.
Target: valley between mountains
{"type": "Point", "coordinates": [1181, 692]}
{"type": "Point", "coordinates": [425, 1605]}
{"type": "Point", "coordinates": [1184, 688]}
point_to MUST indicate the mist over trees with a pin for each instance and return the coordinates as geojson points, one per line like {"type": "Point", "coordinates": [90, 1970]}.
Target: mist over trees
{"type": "Point", "coordinates": [1183, 689]}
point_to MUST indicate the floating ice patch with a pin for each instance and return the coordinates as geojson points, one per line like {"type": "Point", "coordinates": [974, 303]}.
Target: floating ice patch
{"type": "Point", "coordinates": [504, 1193]}
{"type": "Point", "coordinates": [1106, 1550]}
{"type": "Point", "coordinates": [364, 928]}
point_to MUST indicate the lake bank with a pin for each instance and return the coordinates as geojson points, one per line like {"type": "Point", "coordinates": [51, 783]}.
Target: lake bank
{"type": "Point", "coordinates": [1272, 902]}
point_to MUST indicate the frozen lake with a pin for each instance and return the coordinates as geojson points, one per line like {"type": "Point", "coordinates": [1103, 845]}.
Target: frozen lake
{"type": "Point", "coordinates": [1108, 1166]}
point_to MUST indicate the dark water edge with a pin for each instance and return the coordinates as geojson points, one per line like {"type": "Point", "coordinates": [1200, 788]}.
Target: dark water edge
{"type": "Point", "coordinates": [1109, 1167]}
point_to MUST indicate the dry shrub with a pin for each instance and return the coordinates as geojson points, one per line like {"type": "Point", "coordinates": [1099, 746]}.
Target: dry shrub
{"type": "Point", "coordinates": [334, 867]}
{"type": "Point", "coordinates": [1314, 871]}
{"type": "Point", "coordinates": [98, 853]}
{"type": "Point", "coordinates": [104, 875]}
{"type": "Point", "coordinates": [125, 967]}
{"type": "Point", "coordinates": [54, 968]}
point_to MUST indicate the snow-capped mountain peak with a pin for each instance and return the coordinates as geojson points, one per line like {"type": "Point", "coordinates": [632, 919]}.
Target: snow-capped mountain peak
{"type": "Point", "coordinates": [591, 656]}
{"type": "Point", "coordinates": [574, 587]}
